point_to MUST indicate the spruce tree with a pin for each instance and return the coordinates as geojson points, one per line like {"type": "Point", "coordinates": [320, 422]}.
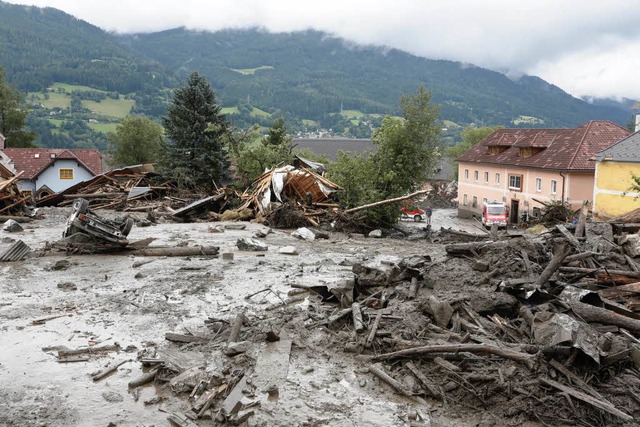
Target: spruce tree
{"type": "Point", "coordinates": [196, 128]}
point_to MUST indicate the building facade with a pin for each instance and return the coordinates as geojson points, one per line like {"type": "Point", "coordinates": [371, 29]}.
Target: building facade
{"type": "Point", "coordinates": [613, 192]}
{"type": "Point", "coordinates": [525, 168]}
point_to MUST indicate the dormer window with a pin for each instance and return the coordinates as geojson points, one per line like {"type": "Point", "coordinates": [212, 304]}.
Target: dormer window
{"type": "Point", "coordinates": [528, 151]}
{"type": "Point", "coordinates": [53, 156]}
{"type": "Point", "coordinates": [36, 155]}
{"type": "Point", "coordinates": [494, 150]}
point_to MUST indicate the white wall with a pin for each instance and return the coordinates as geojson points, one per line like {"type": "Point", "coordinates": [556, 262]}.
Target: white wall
{"type": "Point", "coordinates": [51, 176]}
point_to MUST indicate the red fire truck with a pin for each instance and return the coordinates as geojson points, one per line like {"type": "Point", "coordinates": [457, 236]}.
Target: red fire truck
{"type": "Point", "coordinates": [494, 213]}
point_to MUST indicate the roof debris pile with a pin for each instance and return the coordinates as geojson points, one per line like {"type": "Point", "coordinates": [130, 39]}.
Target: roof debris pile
{"type": "Point", "coordinates": [291, 197]}
{"type": "Point", "coordinates": [12, 201]}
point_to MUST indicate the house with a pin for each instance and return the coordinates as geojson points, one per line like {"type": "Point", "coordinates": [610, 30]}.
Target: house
{"type": "Point", "coordinates": [46, 171]}
{"type": "Point", "coordinates": [521, 167]}
{"type": "Point", "coordinates": [615, 168]}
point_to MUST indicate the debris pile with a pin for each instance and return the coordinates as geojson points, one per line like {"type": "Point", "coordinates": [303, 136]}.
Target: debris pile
{"type": "Point", "coordinates": [12, 201]}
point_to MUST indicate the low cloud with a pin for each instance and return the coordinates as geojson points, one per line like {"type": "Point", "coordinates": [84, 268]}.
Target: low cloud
{"type": "Point", "coordinates": [584, 46]}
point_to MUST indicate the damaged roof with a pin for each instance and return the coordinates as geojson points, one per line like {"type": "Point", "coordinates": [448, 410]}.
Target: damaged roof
{"type": "Point", "coordinates": [627, 150]}
{"type": "Point", "coordinates": [33, 161]}
{"type": "Point", "coordinates": [563, 149]}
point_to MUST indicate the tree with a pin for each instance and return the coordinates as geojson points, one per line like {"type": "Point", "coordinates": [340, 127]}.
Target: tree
{"type": "Point", "coordinates": [470, 136]}
{"type": "Point", "coordinates": [13, 117]}
{"type": "Point", "coordinates": [253, 158]}
{"type": "Point", "coordinates": [196, 128]}
{"type": "Point", "coordinates": [135, 141]}
{"type": "Point", "coordinates": [408, 148]}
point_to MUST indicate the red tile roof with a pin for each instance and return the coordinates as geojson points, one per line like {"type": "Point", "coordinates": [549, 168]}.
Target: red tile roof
{"type": "Point", "coordinates": [24, 159]}
{"type": "Point", "coordinates": [561, 149]}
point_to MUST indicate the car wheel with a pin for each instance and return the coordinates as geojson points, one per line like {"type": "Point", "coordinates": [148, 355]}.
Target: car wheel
{"type": "Point", "coordinates": [80, 205]}
{"type": "Point", "coordinates": [126, 227]}
{"type": "Point", "coordinates": [417, 218]}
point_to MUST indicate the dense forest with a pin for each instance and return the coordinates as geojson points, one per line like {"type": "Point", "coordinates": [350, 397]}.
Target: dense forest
{"type": "Point", "coordinates": [80, 81]}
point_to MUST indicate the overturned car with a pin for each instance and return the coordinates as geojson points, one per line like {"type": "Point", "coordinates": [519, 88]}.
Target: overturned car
{"type": "Point", "coordinates": [87, 224]}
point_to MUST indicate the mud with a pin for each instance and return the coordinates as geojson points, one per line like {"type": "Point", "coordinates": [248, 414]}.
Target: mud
{"type": "Point", "coordinates": [132, 302]}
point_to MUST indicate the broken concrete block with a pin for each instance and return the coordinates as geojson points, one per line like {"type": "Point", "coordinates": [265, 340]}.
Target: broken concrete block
{"type": "Point", "coordinates": [235, 226]}
{"type": "Point", "coordinates": [227, 256]}
{"type": "Point", "coordinates": [261, 234]}
{"type": "Point", "coordinates": [12, 226]}
{"type": "Point", "coordinates": [235, 348]}
{"type": "Point", "coordinates": [305, 234]}
{"type": "Point", "coordinates": [441, 311]}
{"type": "Point", "coordinates": [187, 380]}
{"type": "Point", "coordinates": [67, 286]}
{"type": "Point", "coordinates": [631, 244]}
{"type": "Point", "coordinates": [376, 234]}
{"type": "Point", "coordinates": [288, 250]}
{"type": "Point", "coordinates": [245, 244]}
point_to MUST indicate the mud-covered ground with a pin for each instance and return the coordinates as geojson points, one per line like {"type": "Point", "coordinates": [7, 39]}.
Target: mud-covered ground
{"type": "Point", "coordinates": [109, 299]}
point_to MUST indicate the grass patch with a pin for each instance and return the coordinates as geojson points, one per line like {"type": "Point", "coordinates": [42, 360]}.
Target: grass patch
{"type": "Point", "coordinates": [103, 127]}
{"type": "Point", "coordinates": [256, 112]}
{"type": "Point", "coordinates": [308, 122]}
{"type": "Point", "coordinates": [56, 100]}
{"type": "Point", "coordinates": [229, 110]}
{"type": "Point", "coordinates": [352, 114]}
{"type": "Point", "coordinates": [450, 124]}
{"type": "Point", "coordinates": [527, 120]}
{"type": "Point", "coordinates": [55, 122]}
{"type": "Point", "coordinates": [251, 71]}
{"type": "Point", "coordinates": [119, 108]}
{"type": "Point", "coordinates": [71, 88]}
{"type": "Point", "coordinates": [355, 122]}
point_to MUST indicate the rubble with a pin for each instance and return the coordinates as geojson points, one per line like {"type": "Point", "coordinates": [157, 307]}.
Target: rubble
{"type": "Point", "coordinates": [12, 201]}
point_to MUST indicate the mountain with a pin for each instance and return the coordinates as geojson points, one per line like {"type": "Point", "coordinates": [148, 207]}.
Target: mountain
{"type": "Point", "coordinates": [313, 74]}
{"type": "Point", "coordinates": [82, 80]}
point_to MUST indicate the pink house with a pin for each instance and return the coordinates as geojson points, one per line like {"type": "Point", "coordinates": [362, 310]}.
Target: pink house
{"type": "Point", "coordinates": [521, 166]}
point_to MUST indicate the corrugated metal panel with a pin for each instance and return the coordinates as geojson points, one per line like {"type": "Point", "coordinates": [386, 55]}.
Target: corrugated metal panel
{"type": "Point", "coordinates": [17, 252]}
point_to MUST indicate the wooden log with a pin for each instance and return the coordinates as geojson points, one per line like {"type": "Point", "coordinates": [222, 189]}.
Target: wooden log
{"type": "Point", "coordinates": [560, 253]}
{"type": "Point", "coordinates": [236, 325]}
{"type": "Point", "coordinates": [578, 270]}
{"type": "Point", "coordinates": [431, 388]}
{"type": "Point", "coordinates": [570, 237]}
{"type": "Point", "coordinates": [108, 371]}
{"type": "Point", "coordinates": [464, 248]}
{"type": "Point", "coordinates": [379, 372]}
{"type": "Point", "coordinates": [579, 257]}
{"type": "Point", "coordinates": [177, 251]}
{"type": "Point", "coordinates": [631, 263]}
{"type": "Point", "coordinates": [414, 288]}
{"type": "Point", "coordinates": [21, 219]}
{"type": "Point", "coordinates": [339, 315]}
{"type": "Point", "coordinates": [386, 202]}
{"type": "Point", "coordinates": [464, 233]}
{"type": "Point", "coordinates": [601, 315]}
{"type": "Point", "coordinates": [144, 378]}
{"type": "Point", "coordinates": [181, 338]}
{"type": "Point", "coordinates": [357, 317]}
{"type": "Point", "coordinates": [605, 406]}
{"type": "Point", "coordinates": [88, 350]}
{"type": "Point", "coordinates": [582, 219]}
{"type": "Point", "coordinates": [523, 358]}
{"type": "Point", "coordinates": [577, 380]}
{"type": "Point", "coordinates": [374, 329]}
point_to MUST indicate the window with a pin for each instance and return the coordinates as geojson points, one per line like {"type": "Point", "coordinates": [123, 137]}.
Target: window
{"type": "Point", "coordinates": [486, 177]}
{"type": "Point", "coordinates": [515, 182]}
{"type": "Point", "coordinates": [465, 202]}
{"type": "Point", "coordinates": [497, 179]}
{"type": "Point", "coordinates": [484, 200]}
{"type": "Point", "coordinates": [27, 193]}
{"type": "Point", "coordinates": [475, 175]}
{"type": "Point", "coordinates": [474, 204]}
{"type": "Point", "coordinates": [554, 186]}
{"type": "Point", "coordinates": [538, 184]}
{"type": "Point", "coordinates": [66, 173]}
{"type": "Point", "coordinates": [466, 174]}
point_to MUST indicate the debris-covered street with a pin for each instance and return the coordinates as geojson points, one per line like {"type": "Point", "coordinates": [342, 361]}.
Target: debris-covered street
{"type": "Point", "coordinates": [308, 327]}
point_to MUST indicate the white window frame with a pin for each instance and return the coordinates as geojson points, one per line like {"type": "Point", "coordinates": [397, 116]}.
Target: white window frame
{"type": "Point", "coordinates": [538, 185]}
{"type": "Point", "coordinates": [497, 178]}
{"type": "Point", "coordinates": [553, 186]}
{"type": "Point", "coordinates": [476, 176]}
{"type": "Point", "coordinates": [465, 200]}
{"type": "Point", "coordinates": [466, 174]}
{"type": "Point", "coordinates": [486, 177]}
{"type": "Point", "coordinates": [519, 177]}
{"type": "Point", "coordinates": [474, 202]}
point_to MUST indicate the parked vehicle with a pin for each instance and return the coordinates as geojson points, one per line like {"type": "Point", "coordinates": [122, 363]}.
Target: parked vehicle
{"type": "Point", "coordinates": [494, 213]}
{"type": "Point", "coordinates": [413, 212]}
{"type": "Point", "coordinates": [83, 220]}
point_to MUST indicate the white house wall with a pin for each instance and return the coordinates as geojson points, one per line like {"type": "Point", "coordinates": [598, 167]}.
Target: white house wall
{"type": "Point", "coordinates": [51, 176]}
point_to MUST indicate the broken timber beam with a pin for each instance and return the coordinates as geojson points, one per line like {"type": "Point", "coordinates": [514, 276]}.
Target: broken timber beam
{"type": "Point", "coordinates": [561, 252]}
{"type": "Point", "coordinates": [386, 202]}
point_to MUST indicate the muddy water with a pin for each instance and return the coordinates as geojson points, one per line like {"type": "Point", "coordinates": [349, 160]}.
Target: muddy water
{"type": "Point", "coordinates": [115, 302]}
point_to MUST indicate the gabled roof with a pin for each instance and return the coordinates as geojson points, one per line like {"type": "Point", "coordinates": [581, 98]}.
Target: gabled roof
{"type": "Point", "coordinates": [562, 149]}
{"type": "Point", "coordinates": [627, 150]}
{"type": "Point", "coordinates": [33, 161]}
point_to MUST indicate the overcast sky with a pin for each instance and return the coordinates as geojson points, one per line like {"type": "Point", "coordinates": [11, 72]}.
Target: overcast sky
{"type": "Point", "coordinates": [586, 47]}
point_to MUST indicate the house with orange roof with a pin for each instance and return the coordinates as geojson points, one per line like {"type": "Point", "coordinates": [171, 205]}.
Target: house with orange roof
{"type": "Point", "coordinates": [45, 171]}
{"type": "Point", "coordinates": [524, 167]}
